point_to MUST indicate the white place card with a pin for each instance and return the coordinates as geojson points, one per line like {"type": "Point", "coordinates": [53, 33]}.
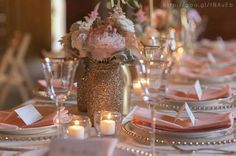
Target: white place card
{"type": "Point", "coordinates": [29, 114]}
{"type": "Point", "coordinates": [89, 147]}
{"type": "Point", "coordinates": [189, 113]}
{"type": "Point", "coordinates": [198, 89]}
{"type": "Point", "coordinates": [211, 58]}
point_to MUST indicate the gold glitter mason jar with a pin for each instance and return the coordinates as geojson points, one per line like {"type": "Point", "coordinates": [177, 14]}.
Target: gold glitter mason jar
{"type": "Point", "coordinates": [104, 86]}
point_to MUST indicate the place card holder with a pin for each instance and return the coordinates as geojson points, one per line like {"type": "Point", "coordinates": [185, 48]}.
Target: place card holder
{"type": "Point", "coordinates": [28, 114]}
{"type": "Point", "coordinates": [198, 89]}
{"type": "Point", "coordinates": [188, 111]}
{"type": "Point", "coordinates": [211, 58]}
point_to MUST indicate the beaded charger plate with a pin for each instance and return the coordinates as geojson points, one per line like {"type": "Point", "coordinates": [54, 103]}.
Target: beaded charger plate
{"type": "Point", "coordinates": [46, 135]}
{"type": "Point", "coordinates": [213, 137]}
{"type": "Point", "coordinates": [37, 133]}
{"type": "Point", "coordinates": [222, 104]}
{"type": "Point", "coordinates": [27, 131]}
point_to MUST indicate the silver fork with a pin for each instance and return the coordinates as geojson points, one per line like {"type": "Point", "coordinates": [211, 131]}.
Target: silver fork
{"type": "Point", "coordinates": [222, 151]}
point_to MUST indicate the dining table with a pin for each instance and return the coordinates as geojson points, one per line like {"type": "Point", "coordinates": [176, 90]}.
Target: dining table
{"type": "Point", "coordinates": [126, 146]}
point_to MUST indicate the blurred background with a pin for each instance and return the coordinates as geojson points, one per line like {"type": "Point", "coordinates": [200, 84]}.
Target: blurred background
{"type": "Point", "coordinates": [45, 21]}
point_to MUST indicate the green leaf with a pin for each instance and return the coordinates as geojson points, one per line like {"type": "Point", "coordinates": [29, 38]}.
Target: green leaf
{"type": "Point", "coordinates": [133, 4]}
{"type": "Point", "coordinates": [108, 5]}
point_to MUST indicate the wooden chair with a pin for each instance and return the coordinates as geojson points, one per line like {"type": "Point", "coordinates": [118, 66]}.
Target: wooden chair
{"type": "Point", "coordinates": [13, 71]}
{"type": "Point", "coordinates": [20, 60]}
{"type": "Point", "coordinates": [8, 56]}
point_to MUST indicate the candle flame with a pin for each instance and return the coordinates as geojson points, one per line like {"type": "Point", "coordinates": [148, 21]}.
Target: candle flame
{"type": "Point", "coordinates": [173, 30]}
{"type": "Point", "coordinates": [76, 122]}
{"type": "Point", "coordinates": [47, 59]}
{"type": "Point", "coordinates": [137, 84]}
{"type": "Point", "coordinates": [109, 116]}
{"type": "Point", "coordinates": [143, 81]}
{"type": "Point", "coordinates": [151, 63]}
{"type": "Point", "coordinates": [179, 54]}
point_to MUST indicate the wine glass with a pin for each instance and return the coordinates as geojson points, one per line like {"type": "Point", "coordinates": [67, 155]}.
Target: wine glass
{"type": "Point", "coordinates": [59, 75]}
{"type": "Point", "coordinates": [150, 72]}
{"type": "Point", "coordinates": [152, 67]}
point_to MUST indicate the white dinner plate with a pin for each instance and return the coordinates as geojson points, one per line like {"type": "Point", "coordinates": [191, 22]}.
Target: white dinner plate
{"type": "Point", "coordinates": [220, 104]}
{"type": "Point", "coordinates": [27, 131]}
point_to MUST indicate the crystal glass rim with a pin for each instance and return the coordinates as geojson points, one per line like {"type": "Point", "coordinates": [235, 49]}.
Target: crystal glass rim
{"type": "Point", "coordinates": [59, 60]}
{"type": "Point", "coordinates": [146, 40]}
{"type": "Point", "coordinates": [112, 113]}
{"type": "Point", "coordinates": [80, 117]}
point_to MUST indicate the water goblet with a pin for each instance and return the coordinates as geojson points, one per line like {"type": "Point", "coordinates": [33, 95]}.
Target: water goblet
{"type": "Point", "coordinates": [59, 75]}
{"type": "Point", "coordinates": [150, 72]}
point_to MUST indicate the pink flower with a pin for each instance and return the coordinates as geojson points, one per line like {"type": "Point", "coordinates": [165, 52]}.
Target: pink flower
{"type": "Point", "coordinates": [104, 41]}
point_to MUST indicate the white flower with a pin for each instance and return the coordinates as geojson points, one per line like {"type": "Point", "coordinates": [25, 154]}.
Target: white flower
{"type": "Point", "coordinates": [125, 23]}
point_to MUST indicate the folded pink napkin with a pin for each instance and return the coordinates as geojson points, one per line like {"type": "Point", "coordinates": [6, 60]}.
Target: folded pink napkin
{"type": "Point", "coordinates": [223, 71]}
{"type": "Point", "coordinates": [204, 122]}
{"type": "Point", "coordinates": [9, 119]}
{"type": "Point", "coordinates": [205, 51]}
{"type": "Point", "coordinates": [43, 83]}
{"type": "Point", "coordinates": [208, 94]}
{"type": "Point", "coordinates": [219, 52]}
{"type": "Point", "coordinates": [202, 61]}
{"type": "Point", "coordinates": [196, 62]}
{"type": "Point", "coordinates": [192, 72]}
{"type": "Point", "coordinates": [204, 73]}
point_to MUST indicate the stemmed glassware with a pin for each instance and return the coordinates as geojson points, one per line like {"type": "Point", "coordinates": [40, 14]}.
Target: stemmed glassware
{"type": "Point", "coordinates": [150, 72]}
{"type": "Point", "coordinates": [59, 75]}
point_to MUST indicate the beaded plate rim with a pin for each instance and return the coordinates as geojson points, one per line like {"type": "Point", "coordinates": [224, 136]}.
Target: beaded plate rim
{"type": "Point", "coordinates": [209, 105]}
{"type": "Point", "coordinates": [146, 140]}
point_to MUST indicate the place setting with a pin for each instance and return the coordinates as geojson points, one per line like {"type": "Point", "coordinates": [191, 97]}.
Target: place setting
{"type": "Point", "coordinates": [209, 69]}
{"type": "Point", "coordinates": [199, 97]}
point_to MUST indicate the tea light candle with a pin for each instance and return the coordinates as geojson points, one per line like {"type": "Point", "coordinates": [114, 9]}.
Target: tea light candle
{"type": "Point", "coordinates": [108, 126]}
{"type": "Point", "coordinates": [76, 131]}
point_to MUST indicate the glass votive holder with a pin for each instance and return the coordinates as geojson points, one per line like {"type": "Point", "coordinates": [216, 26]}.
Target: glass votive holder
{"type": "Point", "coordinates": [79, 127]}
{"type": "Point", "coordinates": [107, 123]}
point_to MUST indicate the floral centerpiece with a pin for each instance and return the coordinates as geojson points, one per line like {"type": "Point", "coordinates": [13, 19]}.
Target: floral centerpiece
{"type": "Point", "coordinates": [104, 45]}
{"type": "Point", "coordinates": [101, 39]}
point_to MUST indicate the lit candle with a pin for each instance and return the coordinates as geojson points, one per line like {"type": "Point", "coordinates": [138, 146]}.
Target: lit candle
{"type": "Point", "coordinates": [144, 81]}
{"type": "Point", "coordinates": [137, 87]}
{"type": "Point", "coordinates": [76, 131]}
{"type": "Point", "coordinates": [108, 126]}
